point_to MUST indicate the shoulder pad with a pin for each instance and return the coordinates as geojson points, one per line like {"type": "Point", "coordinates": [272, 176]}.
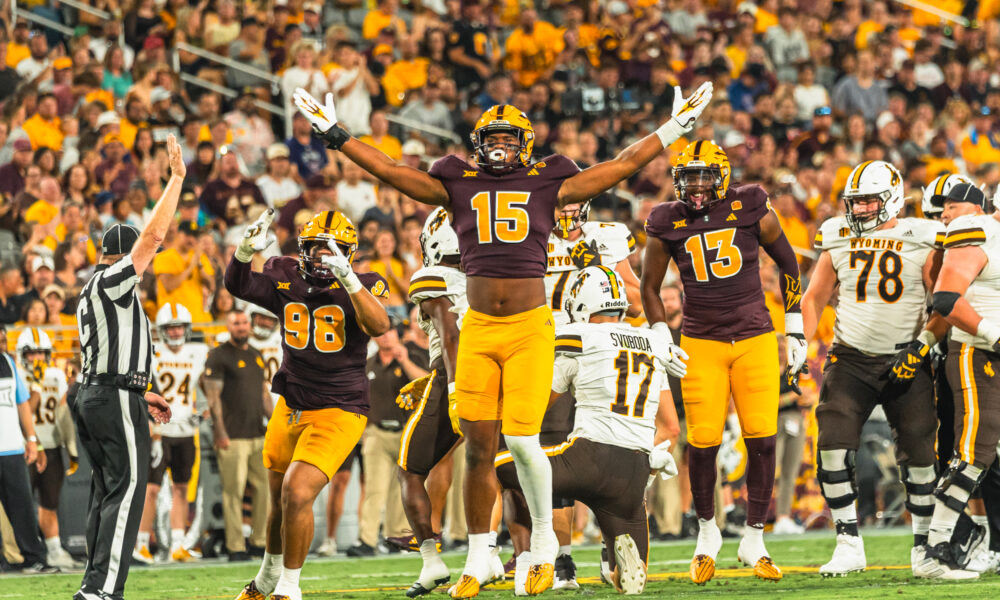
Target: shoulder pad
{"type": "Point", "coordinates": [666, 218]}
{"type": "Point", "coordinates": [280, 267]}
{"type": "Point", "coordinates": [555, 166]}
{"type": "Point", "coordinates": [833, 232]}
{"type": "Point", "coordinates": [452, 167]}
{"type": "Point", "coordinates": [926, 231]}
{"type": "Point", "coordinates": [967, 230]}
{"type": "Point", "coordinates": [375, 284]}
{"type": "Point", "coordinates": [614, 240]}
{"type": "Point", "coordinates": [569, 339]}
{"type": "Point", "coordinates": [428, 282]}
{"type": "Point", "coordinates": [751, 198]}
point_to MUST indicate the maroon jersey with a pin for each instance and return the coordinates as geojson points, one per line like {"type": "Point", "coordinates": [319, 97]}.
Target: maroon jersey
{"type": "Point", "coordinates": [717, 255]}
{"type": "Point", "coordinates": [324, 349]}
{"type": "Point", "coordinates": [503, 222]}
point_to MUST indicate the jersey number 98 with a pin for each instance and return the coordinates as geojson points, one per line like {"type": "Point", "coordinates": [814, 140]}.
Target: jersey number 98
{"type": "Point", "coordinates": [502, 219]}
{"type": "Point", "coordinates": [326, 323]}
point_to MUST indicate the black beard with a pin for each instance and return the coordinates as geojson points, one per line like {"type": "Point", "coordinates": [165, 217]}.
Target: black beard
{"type": "Point", "coordinates": [240, 341]}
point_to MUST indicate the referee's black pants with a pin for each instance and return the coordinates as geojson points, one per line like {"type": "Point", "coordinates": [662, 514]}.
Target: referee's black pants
{"type": "Point", "coordinates": [19, 504]}
{"type": "Point", "coordinates": [114, 428]}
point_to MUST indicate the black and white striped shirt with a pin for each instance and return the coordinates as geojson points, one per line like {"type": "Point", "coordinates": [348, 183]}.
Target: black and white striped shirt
{"type": "Point", "coordinates": [114, 330]}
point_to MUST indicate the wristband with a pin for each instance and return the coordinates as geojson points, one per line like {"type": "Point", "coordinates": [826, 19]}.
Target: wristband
{"type": "Point", "coordinates": [335, 137]}
{"type": "Point", "coordinates": [989, 331]}
{"type": "Point", "coordinates": [32, 438]}
{"type": "Point", "coordinates": [662, 328]}
{"type": "Point", "coordinates": [927, 337]}
{"type": "Point", "coordinates": [351, 283]}
{"type": "Point", "coordinates": [670, 132]}
{"type": "Point", "coordinates": [793, 324]}
{"type": "Point", "coordinates": [451, 388]}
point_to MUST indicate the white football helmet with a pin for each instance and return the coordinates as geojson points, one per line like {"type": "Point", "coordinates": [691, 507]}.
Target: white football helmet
{"type": "Point", "coordinates": [438, 240]}
{"type": "Point", "coordinates": [595, 290]}
{"type": "Point", "coordinates": [932, 203]}
{"type": "Point", "coordinates": [33, 339]}
{"type": "Point", "coordinates": [260, 331]}
{"type": "Point", "coordinates": [873, 180]}
{"type": "Point", "coordinates": [172, 314]}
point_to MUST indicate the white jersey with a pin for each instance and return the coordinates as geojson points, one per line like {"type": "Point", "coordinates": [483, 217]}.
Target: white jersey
{"type": "Point", "coordinates": [270, 349]}
{"type": "Point", "coordinates": [177, 375]}
{"type": "Point", "coordinates": [616, 373]}
{"type": "Point", "coordinates": [52, 389]}
{"type": "Point", "coordinates": [984, 291]}
{"type": "Point", "coordinates": [882, 300]}
{"type": "Point", "coordinates": [435, 282]}
{"type": "Point", "coordinates": [614, 244]}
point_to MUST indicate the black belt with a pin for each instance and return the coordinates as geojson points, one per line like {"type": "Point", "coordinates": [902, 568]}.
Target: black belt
{"type": "Point", "coordinates": [136, 382]}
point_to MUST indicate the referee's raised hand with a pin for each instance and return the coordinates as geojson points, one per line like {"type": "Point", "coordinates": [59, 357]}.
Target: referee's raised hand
{"type": "Point", "coordinates": [175, 158]}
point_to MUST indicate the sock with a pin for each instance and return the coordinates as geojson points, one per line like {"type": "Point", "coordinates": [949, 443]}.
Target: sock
{"type": "Point", "coordinates": [944, 519]}
{"type": "Point", "coordinates": [493, 539]}
{"type": "Point", "coordinates": [143, 540]}
{"type": "Point", "coordinates": [428, 550]}
{"type": "Point", "coordinates": [53, 545]}
{"type": "Point", "coordinates": [534, 472]}
{"type": "Point", "coordinates": [848, 527]}
{"type": "Point", "coordinates": [566, 550]}
{"type": "Point", "coordinates": [977, 519]}
{"type": "Point", "coordinates": [269, 573]}
{"type": "Point", "coordinates": [921, 523]}
{"type": "Point", "coordinates": [760, 477]}
{"type": "Point", "coordinates": [477, 562]}
{"type": "Point", "coordinates": [176, 539]}
{"type": "Point", "coordinates": [289, 580]}
{"type": "Point", "coordinates": [701, 472]}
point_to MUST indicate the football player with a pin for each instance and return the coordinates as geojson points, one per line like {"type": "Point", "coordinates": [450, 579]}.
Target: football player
{"type": "Point", "coordinates": [884, 267]}
{"type": "Point", "coordinates": [327, 314]}
{"type": "Point", "coordinates": [574, 244]}
{"type": "Point", "coordinates": [266, 338]}
{"type": "Point", "coordinates": [618, 377]}
{"type": "Point", "coordinates": [503, 210]}
{"type": "Point", "coordinates": [54, 429]}
{"type": "Point", "coordinates": [177, 365]}
{"type": "Point", "coordinates": [967, 295]}
{"type": "Point", "coordinates": [715, 233]}
{"type": "Point", "coordinates": [438, 289]}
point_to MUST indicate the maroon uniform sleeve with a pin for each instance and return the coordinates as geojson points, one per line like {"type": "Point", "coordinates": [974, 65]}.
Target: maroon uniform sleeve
{"type": "Point", "coordinates": [258, 288]}
{"type": "Point", "coordinates": [661, 220]}
{"type": "Point", "coordinates": [374, 283]}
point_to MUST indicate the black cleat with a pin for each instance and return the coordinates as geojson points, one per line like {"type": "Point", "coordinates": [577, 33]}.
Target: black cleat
{"type": "Point", "coordinates": [416, 590]}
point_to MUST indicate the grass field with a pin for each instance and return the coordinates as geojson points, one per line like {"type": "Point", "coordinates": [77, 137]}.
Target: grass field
{"type": "Point", "coordinates": [888, 575]}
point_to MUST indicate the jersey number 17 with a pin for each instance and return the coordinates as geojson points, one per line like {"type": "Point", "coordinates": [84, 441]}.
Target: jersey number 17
{"type": "Point", "coordinates": [627, 363]}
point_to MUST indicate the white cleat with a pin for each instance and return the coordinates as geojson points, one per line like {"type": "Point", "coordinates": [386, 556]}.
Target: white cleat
{"type": "Point", "coordinates": [431, 576]}
{"type": "Point", "coordinates": [986, 561]}
{"type": "Point", "coordinates": [327, 548]}
{"type": "Point", "coordinates": [522, 565]}
{"type": "Point", "coordinates": [62, 559]}
{"type": "Point", "coordinates": [935, 565]}
{"type": "Point", "coordinates": [497, 574]}
{"type": "Point", "coordinates": [786, 526]}
{"type": "Point", "coordinates": [286, 593]}
{"type": "Point", "coordinates": [848, 557]}
{"type": "Point", "coordinates": [630, 568]}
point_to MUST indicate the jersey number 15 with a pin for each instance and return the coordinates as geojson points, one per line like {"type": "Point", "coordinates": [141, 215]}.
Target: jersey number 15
{"type": "Point", "coordinates": [500, 216]}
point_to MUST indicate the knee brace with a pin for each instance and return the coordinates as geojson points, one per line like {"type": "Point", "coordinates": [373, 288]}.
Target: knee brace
{"type": "Point", "coordinates": [958, 483]}
{"type": "Point", "coordinates": [835, 472]}
{"type": "Point", "coordinates": [920, 484]}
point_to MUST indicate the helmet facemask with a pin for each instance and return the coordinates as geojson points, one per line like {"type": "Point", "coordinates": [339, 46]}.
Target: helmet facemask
{"type": "Point", "coordinates": [499, 156]}
{"type": "Point", "coordinates": [571, 219]}
{"type": "Point", "coordinates": [174, 334]}
{"type": "Point", "coordinates": [263, 326]}
{"type": "Point", "coordinates": [698, 187]}
{"type": "Point", "coordinates": [871, 218]}
{"type": "Point", "coordinates": [311, 261]}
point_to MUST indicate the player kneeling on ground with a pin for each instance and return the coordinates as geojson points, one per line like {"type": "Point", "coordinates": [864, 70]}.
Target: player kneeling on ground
{"type": "Point", "coordinates": [624, 417]}
{"type": "Point", "coordinates": [328, 314]}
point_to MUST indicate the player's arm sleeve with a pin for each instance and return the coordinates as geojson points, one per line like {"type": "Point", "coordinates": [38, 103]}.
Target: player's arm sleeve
{"type": "Point", "coordinates": [245, 284]}
{"type": "Point", "coordinates": [962, 232]}
{"type": "Point", "coordinates": [427, 285]}
{"type": "Point", "coordinates": [781, 251]}
{"type": "Point", "coordinates": [563, 373]}
{"type": "Point", "coordinates": [119, 279]}
{"type": "Point", "coordinates": [375, 284]}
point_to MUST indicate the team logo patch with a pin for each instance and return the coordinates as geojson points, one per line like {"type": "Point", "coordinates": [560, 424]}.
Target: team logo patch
{"type": "Point", "coordinates": [241, 364]}
{"type": "Point", "coordinates": [844, 232]}
{"type": "Point", "coordinates": [284, 285]}
{"type": "Point", "coordinates": [681, 223]}
{"type": "Point", "coordinates": [736, 205]}
{"type": "Point", "coordinates": [793, 291]}
{"type": "Point", "coordinates": [398, 372]}
{"type": "Point", "coordinates": [533, 172]}
{"type": "Point", "coordinates": [469, 173]}
{"type": "Point", "coordinates": [988, 368]}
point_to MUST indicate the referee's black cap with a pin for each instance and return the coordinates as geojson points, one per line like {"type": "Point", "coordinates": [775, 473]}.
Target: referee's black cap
{"type": "Point", "coordinates": [966, 192]}
{"type": "Point", "coordinates": [119, 239]}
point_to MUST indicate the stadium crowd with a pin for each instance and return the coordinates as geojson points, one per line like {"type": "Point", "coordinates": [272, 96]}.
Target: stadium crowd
{"type": "Point", "coordinates": [804, 92]}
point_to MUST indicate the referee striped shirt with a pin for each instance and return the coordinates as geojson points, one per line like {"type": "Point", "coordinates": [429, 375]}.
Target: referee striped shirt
{"type": "Point", "coordinates": [114, 331]}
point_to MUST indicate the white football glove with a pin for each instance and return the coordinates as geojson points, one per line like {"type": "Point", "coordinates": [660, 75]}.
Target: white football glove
{"type": "Point", "coordinates": [341, 268]}
{"type": "Point", "coordinates": [156, 453]}
{"type": "Point", "coordinates": [686, 112]}
{"type": "Point", "coordinates": [321, 117]}
{"type": "Point", "coordinates": [255, 238]}
{"type": "Point", "coordinates": [662, 462]}
{"type": "Point", "coordinates": [673, 362]}
{"type": "Point", "coordinates": [796, 350]}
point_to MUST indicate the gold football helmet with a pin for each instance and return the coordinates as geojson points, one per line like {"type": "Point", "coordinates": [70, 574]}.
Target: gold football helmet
{"type": "Point", "coordinates": [701, 175]}
{"type": "Point", "coordinates": [503, 118]}
{"type": "Point", "coordinates": [328, 226]}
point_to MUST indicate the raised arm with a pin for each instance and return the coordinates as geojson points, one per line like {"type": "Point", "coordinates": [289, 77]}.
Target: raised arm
{"type": "Point", "coordinates": [603, 176]}
{"type": "Point", "coordinates": [163, 213]}
{"type": "Point", "coordinates": [414, 183]}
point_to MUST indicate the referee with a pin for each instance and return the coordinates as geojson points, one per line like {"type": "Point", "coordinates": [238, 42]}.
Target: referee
{"type": "Point", "coordinates": [111, 408]}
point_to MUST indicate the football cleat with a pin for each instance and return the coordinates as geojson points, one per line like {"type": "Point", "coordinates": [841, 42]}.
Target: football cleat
{"type": "Point", "coordinates": [540, 578]}
{"type": "Point", "coordinates": [498, 571]}
{"type": "Point", "coordinates": [848, 557]}
{"type": "Point", "coordinates": [565, 578]}
{"type": "Point", "coordinates": [327, 548]}
{"type": "Point", "coordinates": [523, 562]}
{"type": "Point", "coordinates": [181, 554]}
{"type": "Point", "coordinates": [705, 551]}
{"type": "Point", "coordinates": [939, 563]}
{"type": "Point", "coordinates": [431, 576]}
{"type": "Point", "coordinates": [510, 568]}
{"type": "Point", "coordinates": [467, 587]}
{"type": "Point", "coordinates": [250, 592]}
{"type": "Point", "coordinates": [986, 561]}
{"type": "Point", "coordinates": [629, 575]}
{"type": "Point", "coordinates": [143, 555]}
{"type": "Point", "coordinates": [406, 543]}
{"type": "Point", "coordinates": [605, 566]}
{"type": "Point", "coordinates": [786, 526]}
{"type": "Point", "coordinates": [752, 552]}
{"type": "Point", "coordinates": [702, 568]}
{"type": "Point", "coordinates": [62, 559]}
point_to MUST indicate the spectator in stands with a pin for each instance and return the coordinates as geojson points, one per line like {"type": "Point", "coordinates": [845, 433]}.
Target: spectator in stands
{"type": "Point", "coordinates": [302, 72]}
{"type": "Point", "coordinates": [312, 28]}
{"type": "Point", "coordinates": [386, 262]}
{"type": "Point", "coordinates": [252, 133]}
{"type": "Point", "coordinates": [229, 196]}
{"type": "Point", "coordinates": [44, 129]}
{"type": "Point", "coordinates": [982, 144]}
{"type": "Point", "coordinates": [40, 275]}
{"type": "Point", "coordinates": [248, 49]}
{"type": "Point", "coordinates": [12, 174]}
{"type": "Point", "coordinates": [184, 275]}
{"type": "Point", "coordinates": [49, 203]}
{"type": "Point", "coordinates": [381, 138]}
{"type": "Point", "coordinates": [786, 44]}
{"type": "Point", "coordinates": [318, 187]}
{"type": "Point", "coordinates": [116, 77]}
{"type": "Point", "coordinates": [10, 288]}
{"type": "Point", "coordinates": [862, 92]}
{"type": "Point", "coordinates": [278, 184]}
{"type": "Point", "coordinates": [34, 68]}
{"type": "Point", "coordinates": [383, 17]}
{"type": "Point", "coordinates": [115, 172]}
{"type": "Point", "coordinates": [354, 195]}
{"type": "Point", "coordinates": [427, 108]}
{"type": "Point", "coordinates": [306, 151]}
{"type": "Point", "coordinates": [353, 85]}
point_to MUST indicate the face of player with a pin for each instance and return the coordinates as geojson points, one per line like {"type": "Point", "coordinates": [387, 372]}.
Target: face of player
{"type": "Point", "coordinates": [502, 148]}
{"type": "Point", "coordinates": [865, 208]}
{"type": "Point", "coordinates": [568, 220]}
{"type": "Point", "coordinates": [953, 210]}
{"type": "Point", "coordinates": [263, 326]}
{"type": "Point", "coordinates": [174, 335]}
{"type": "Point", "coordinates": [33, 357]}
{"type": "Point", "coordinates": [699, 187]}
